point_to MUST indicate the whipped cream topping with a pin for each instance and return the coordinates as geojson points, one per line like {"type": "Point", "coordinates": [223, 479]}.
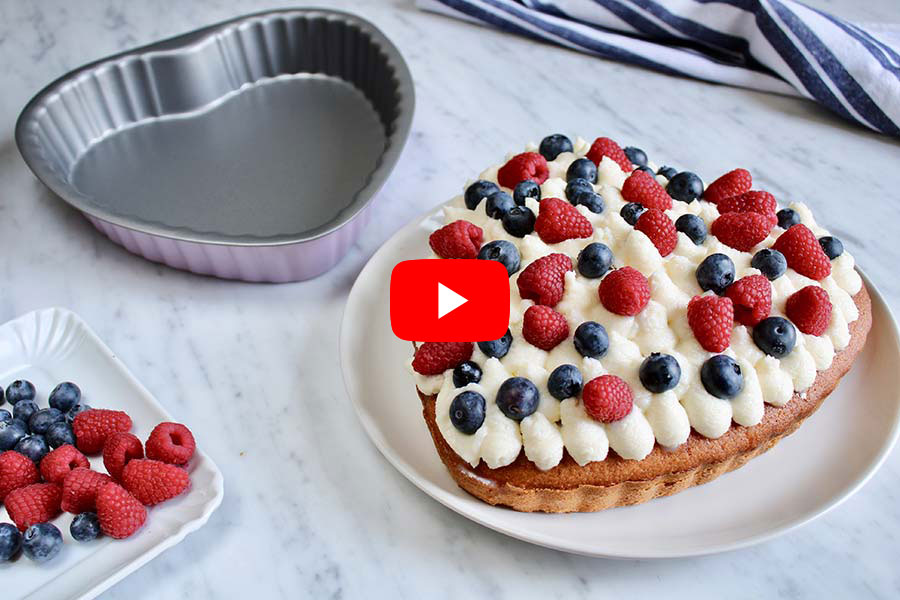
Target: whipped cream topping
{"type": "Point", "coordinates": [666, 418]}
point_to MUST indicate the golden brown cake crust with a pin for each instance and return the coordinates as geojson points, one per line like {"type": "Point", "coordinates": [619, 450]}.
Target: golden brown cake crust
{"type": "Point", "coordinates": [613, 482]}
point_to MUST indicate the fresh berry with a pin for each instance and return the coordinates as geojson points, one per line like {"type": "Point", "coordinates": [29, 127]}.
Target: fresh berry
{"type": "Point", "coordinates": [544, 327]}
{"type": "Point", "coordinates": [467, 412]}
{"type": "Point", "coordinates": [60, 434]}
{"type": "Point", "coordinates": [5, 415]}
{"type": "Point", "coordinates": [715, 273]}
{"type": "Point", "coordinates": [10, 541]}
{"type": "Point", "coordinates": [11, 433]}
{"type": "Point", "coordinates": [478, 191]}
{"type": "Point", "coordinates": [498, 204]}
{"type": "Point", "coordinates": [775, 336]}
{"type": "Point", "coordinates": [685, 186]}
{"type": "Point", "coordinates": [631, 212]}
{"type": "Point", "coordinates": [24, 410]}
{"type": "Point", "coordinates": [526, 189]}
{"type": "Point", "coordinates": [459, 239]}
{"type": "Point", "coordinates": [65, 396]}
{"type": "Point", "coordinates": [85, 527]}
{"type": "Point", "coordinates": [76, 410]}
{"type": "Point", "coordinates": [591, 340]}
{"type": "Point", "coordinates": [558, 221]}
{"type": "Point", "coordinates": [810, 309]}
{"type": "Point", "coordinates": [42, 542]}
{"type": "Point", "coordinates": [519, 221]}
{"type": "Point", "coordinates": [57, 465]}
{"type": "Point", "coordinates": [657, 226]}
{"type": "Point", "coordinates": [659, 372]}
{"type": "Point", "coordinates": [33, 504]}
{"type": "Point", "coordinates": [79, 490]}
{"type": "Point", "coordinates": [594, 260]}
{"type": "Point", "coordinates": [637, 156]}
{"type": "Point", "coordinates": [711, 318]}
{"type": "Point", "coordinates": [624, 291]}
{"type": "Point", "coordinates": [752, 201]}
{"type": "Point", "coordinates": [153, 482]}
{"type": "Point", "coordinates": [590, 200]}
{"type": "Point", "coordinates": [466, 373]}
{"type": "Point", "coordinates": [544, 280]}
{"type": "Point", "coordinates": [604, 146]}
{"type": "Point", "coordinates": [770, 263]}
{"type": "Point", "coordinates": [607, 398]}
{"type": "Point", "coordinates": [503, 252]}
{"type": "Point", "coordinates": [554, 145]}
{"type": "Point", "coordinates": [41, 421]}
{"type": "Point", "coordinates": [121, 514]}
{"type": "Point", "coordinates": [174, 443]}
{"type": "Point", "coordinates": [803, 253]}
{"type": "Point", "coordinates": [34, 447]}
{"type": "Point", "coordinates": [732, 183]}
{"type": "Point", "coordinates": [741, 231]}
{"type": "Point", "coordinates": [576, 187]}
{"type": "Point", "coordinates": [722, 377]}
{"type": "Point", "coordinates": [667, 172]}
{"type": "Point", "coordinates": [118, 450]}
{"type": "Point", "coordinates": [517, 398]}
{"type": "Point", "coordinates": [528, 165]}
{"type": "Point", "coordinates": [643, 188]}
{"type": "Point", "coordinates": [433, 358]}
{"type": "Point", "coordinates": [787, 217]}
{"type": "Point", "coordinates": [582, 168]}
{"type": "Point", "coordinates": [20, 390]}
{"type": "Point", "coordinates": [832, 246]}
{"type": "Point", "coordinates": [16, 471]}
{"type": "Point", "coordinates": [752, 299]}
{"type": "Point", "coordinates": [645, 169]}
{"type": "Point", "coordinates": [496, 348]}
{"type": "Point", "coordinates": [92, 427]}
{"type": "Point", "coordinates": [693, 227]}
{"type": "Point", "coordinates": [565, 382]}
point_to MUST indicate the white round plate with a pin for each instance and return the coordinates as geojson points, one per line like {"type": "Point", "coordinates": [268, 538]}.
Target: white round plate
{"type": "Point", "coordinates": [830, 457]}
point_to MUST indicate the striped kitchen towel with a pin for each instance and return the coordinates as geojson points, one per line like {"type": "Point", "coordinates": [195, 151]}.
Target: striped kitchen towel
{"type": "Point", "coordinates": [778, 46]}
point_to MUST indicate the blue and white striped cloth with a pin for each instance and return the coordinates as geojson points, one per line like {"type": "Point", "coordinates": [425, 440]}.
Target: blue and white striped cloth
{"type": "Point", "coordinates": [778, 46]}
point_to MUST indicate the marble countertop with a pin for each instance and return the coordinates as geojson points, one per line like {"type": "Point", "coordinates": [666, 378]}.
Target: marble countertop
{"type": "Point", "coordinates": [312, 509]}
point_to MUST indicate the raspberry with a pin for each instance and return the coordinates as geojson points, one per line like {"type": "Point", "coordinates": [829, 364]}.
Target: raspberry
{"type": "Point", "coordinates": [544, 280]}
{"type": "Point", "coordinates": [604, 146]}
{"type": "Point", "coordinates": [118, 450]}
{"type": "Point", "coordinates": [624, 291]}
{"type": "Point", "coordinates": [174, 443]}
{"type": "Point", "coordinates": [79, 490]}
{"type": "Point", "coordinates": [92, 427]}
{"type": "Point", "coordinates": [33, 504]}
{"type": "Point", "coordinates": [432, 358]}
{"type": "Point", "coordinates": [752, 299]}
{"type": "Point", "coordinates": [528, 165]}
{"type": "Point", "coordinates": [59, 463]}
{"type": "Point", "coordinates": [641, 187]}
{"type": "Point", "coordinates": [16, 471]}
{"type": "Point", "coordinates": [559, 221]}
{"type": "Point", "coordinates": [711, 318]}
{"type": "Point", "coordinates": [732, 183]}
{"type": "Point", "coordinates": [607, 398]}
{"type": "Point", "coordinates": [742, 231]}
{"type": "Point", "coordinates": [657, 226]}
{"type": "Point", "coordinates": [753, 201]}
{"type": "Point", "coordinates": [120, 513]}
{"type": "Point", "coordinates": [544, 327]}
{"type": "Point", "coordinates": [810, 309]}
{"type": "Point", "coordinates": [459, 239]}
{"type": "Point", "coordinates": [153, 482]}
{"type": "Point", "coordinates": [803, 252]}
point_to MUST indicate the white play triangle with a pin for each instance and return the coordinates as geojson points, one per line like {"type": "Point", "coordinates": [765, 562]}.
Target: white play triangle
{"type": "Point", "coordinates": [448, 300]}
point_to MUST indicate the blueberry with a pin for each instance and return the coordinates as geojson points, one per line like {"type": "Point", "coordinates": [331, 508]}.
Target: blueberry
{"type": "Point", "coordinates": [592, 200]}
{"type": "Point", "coordinates": [594, 260]}
{"type": "Point", "coordinates": [5, 416]}
{"type": "Point", "coordinates": [582, 168]}
{"type": "Point", "coordinates": [775, 336]}
{"type": "Point", "coordinates": [554, 145]}
{"type": "Point", "coordinates": [65, 396]}
{"type": "Point", "coordinates": [517, 398]}
{"type": "Point", "coordinates": [526, 189]}
{"type": "Point", "coordinates": [76, 410]}
{"type": "Point", "coordinates": [85, 527]}
{"type": "Point", "coordinates": [497, 348]}
{"type": "Point", "coordinates": [631, 211]}
{"type": "Point", "coordinates": [2, 396]}
{"type": "Point", "coordinates": [577, 186]}
{"type": "Point", "coordinates": [832, 246]}
{"type": "Point", "coordinates": [11, 433]}
{"type": "Point", "coordinates": [722, 377]}
{"type": "Point", "coordinates": [667, 172]}
{"type": "Point", "coordinates": [591, 340]}
{"type": "Point", "coordinates": [519, 221]}
{"type": "Point", "coordinates": [771, 263]}
{"type": "Point", "coordinates": [10, 541]}
{"type": "Point", "coordinates": [503, 252]}
{"type": "Point", "coordinates": [24, 410]}
{"type": "Point", "coordinates": [636, 155]}
{"type": "Point", "coordinates": [498, 204]}
{"type": "Point", "coordinates": [20, 390]}
{"type": "Point", "coordinates": [42, 542]}
{"type": "Point", "coordinates": [693, 227]}
{"type": "Point", "coordinates": [467, 412]}
{"type": "Point", "coordinates": [646, 170]}
{"type": "Point", "coordinates": [660, 372]}
{"type": "Point", "coordinates": [41, 421]}
{"type": "Point", "coordinates": [34, 447]}
{"type": "Point", "coordinates": [787, 217]}
{"type": "Point", "coordinates": [478, 191]}
{"type": "Point", "coordinates": [60, 434]}
{"type": "Point", "coordinates": [466, 373]}
{"type": "Point", "coordinates": [565, 382]}
{"type": "Point", "coordinates": [715, 273]}
{"type": "Point", "coordinates": [685, 186]}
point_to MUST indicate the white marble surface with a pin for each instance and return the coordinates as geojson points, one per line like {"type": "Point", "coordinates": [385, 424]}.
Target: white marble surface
{"type": "Point", "coordinates": [312, 510]}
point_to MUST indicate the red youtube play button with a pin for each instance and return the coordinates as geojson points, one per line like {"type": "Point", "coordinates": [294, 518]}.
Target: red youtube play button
{"type": "Point", "coordinates": [437, 300]}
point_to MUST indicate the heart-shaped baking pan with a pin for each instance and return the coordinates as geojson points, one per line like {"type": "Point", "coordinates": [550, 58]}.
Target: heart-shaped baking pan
{"type": "Point", "coordinates": [251, 149]}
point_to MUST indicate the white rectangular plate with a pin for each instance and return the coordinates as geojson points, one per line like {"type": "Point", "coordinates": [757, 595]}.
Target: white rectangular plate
{"type": "Point", "coordinates": [53, 345]}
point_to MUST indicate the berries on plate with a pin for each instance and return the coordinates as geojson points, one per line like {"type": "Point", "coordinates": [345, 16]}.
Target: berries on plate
{"type": "Point", "coordinates": [775, 336]}
{"type": "Point", "coordinates": [517, 398]}
{"type": "Point", "coordinates": [715, 273]}
{"type": "Point", "coordinates": [558, 221]}
{"type": "Point", "coordinates": [803, 252]}
{"type": "Point", "coordinates": [497, 348]}
{"type": "Point", "coordinates": [554, 145]}
{"type": "Point", "coordinates": [92, 427]}
{"type": "Point", "coordinates": [607, 398]}
{"type": "Point", "coordinates": [498, 204]}
{"type": "Point", "coordinates": [11, 433]}
{"type": "Point", "coordinates": [121, 514]}
{"type": "Point", "coordinates": [42, 542]}
{"type": "Point", "coordinates": [24, 410]}
{"type": "Point", "coordinates": [5, 416]}
{"type": "Point", "coordinates": [565, 381]}
{"type": "Point", "coordinates": [503, 252]}
{"type": "Point", "coordinates": [659, 372]}
{"type": "Point", "coordinates": [543, 327]}
{"type": "Point", "coordinates": [34, 447]}
{"type": "Point", "coordinates": [693, 227]}
{"type": "Point", "coordinates": [544, 280]}
{"type": "Point", "coordinates": [787, 217]}
{"type": "Point", "coordinates": [459, 239]}
{"type": "Point", "coordinates": [657, 226]}
{"type": "Point", "coordinates": [118, 450]}
{"type": "Point", "coordinates": [527, 165]}
{"type": "Point", "coordinates": [478, 191]}
{"type": "Point", "coordinates": [85, 527]}
{"type": "Point", "coordinates": [431, 358]}
{"type": "Point", "coordinates": [576, 187]}
{"type": "Point", "coordinates": [33, 504]}
{"type": "Point", "coordinates": [624, 291]}
{"type": "Point", "coordinates": [603, 146]}
{"type": "Point", "coordinates": [16, 471]}
{"type": "Point", "coordinates": [753, 201]}
{"type": "Point", "coordinates": [832, 246]}
{"type": "Point", "coordinates": [770, 263]}
{"type": "Point", "coordinates": [20, 390]}
{"type": "Point", "coordinates": [10, 541]}
{"type": "Point", "coordinates": [76, 410]}
{"type": "Point", "coordinates": [591, 340]}
{"type": "Point", "coordinates": [153, 482]}
{"type": "Point", "coordinates": [174, 443]}
{"type": "Point", "coordinates": [631, 212]}
{"type": "Point", "coordinates": [464, 374]}
{"type": "Point", "coordinates": [518, 221]}
{"type": "Point", "coordinates": [582, 168]}
{"type": "Point", "coordinates": [57, 465]}
{"type": "Point", "coordinates": [594, 260]}
{"type": "Point", "coordinates": [809, 308]}
{"type": "Point", "coordinates": [79, 490]}
{"type": "Point", "coordinates": [711, 319]}
{"type": "Point", "coordinates": [60, 434]}
{"type": "Point", "coordinates": [732, 183]}
{"type": "Point", "coordinates": [685, 186]}
{"type": "Point", "coordinates": [752, 298]}
{"type": "Point", "coordinates": [742, 231]}
{"type": "Point", "coordinates": [41, 421]}
{"type": "Point", "coordinates": [65, 396]}
{"type": "Point", "coordinates": [524, 190]}
{"type": "Point", "coordinates": [637, 156]}
{"type": "Point", "coordinates": [642, 188]}
{"type": "Point", "coordinates": [467, 412]}
{"type": "Point", "coordinates": [722, 377]}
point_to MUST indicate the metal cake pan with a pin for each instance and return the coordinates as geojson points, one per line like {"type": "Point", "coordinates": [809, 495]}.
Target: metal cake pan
{"type": "Point", "coordinates": [250, 149]}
